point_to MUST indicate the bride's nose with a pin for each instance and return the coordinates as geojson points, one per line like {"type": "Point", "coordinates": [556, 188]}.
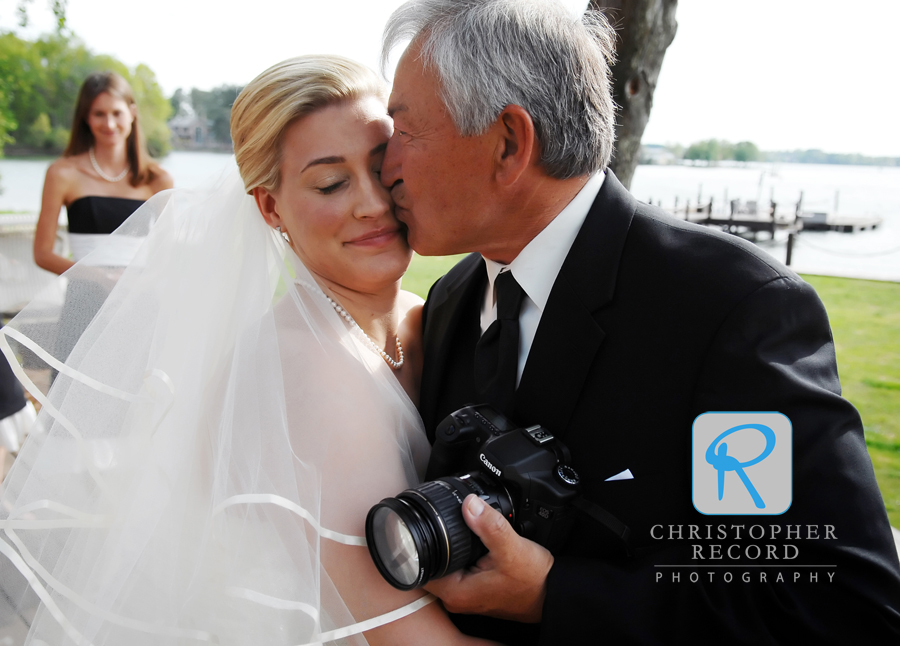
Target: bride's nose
{"type": "Point", "coordinates": [374, 201]}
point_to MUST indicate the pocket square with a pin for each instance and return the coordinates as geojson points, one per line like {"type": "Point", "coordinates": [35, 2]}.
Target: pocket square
{"type": "Point", "coordinates": [625, 475]}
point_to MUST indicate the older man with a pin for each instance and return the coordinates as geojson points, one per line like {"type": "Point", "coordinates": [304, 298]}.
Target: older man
{"type": "Point", "coordinates": [625, 325]}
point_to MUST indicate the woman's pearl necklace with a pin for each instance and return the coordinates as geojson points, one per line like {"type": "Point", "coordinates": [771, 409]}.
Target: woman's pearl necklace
{"type": "Point", "coordinates": [117, 178]}
{"type": "Point", "coordinates": [396, 365]}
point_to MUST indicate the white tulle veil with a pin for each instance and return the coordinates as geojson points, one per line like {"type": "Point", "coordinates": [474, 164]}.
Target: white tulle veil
{"type": "Point", "coordinates": [215, 435]}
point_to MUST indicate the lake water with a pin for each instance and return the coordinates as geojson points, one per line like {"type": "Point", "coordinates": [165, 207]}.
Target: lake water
{"type": "Point", "coordinates": [857, 191]}
{"type": "Point", "coordinates": [848, 190]}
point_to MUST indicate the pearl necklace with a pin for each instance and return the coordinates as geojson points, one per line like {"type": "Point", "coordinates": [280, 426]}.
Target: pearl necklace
{"type": "Point", "coordinates": [117, 178]}
{"type": "Point", "coordinates": [395, 365]}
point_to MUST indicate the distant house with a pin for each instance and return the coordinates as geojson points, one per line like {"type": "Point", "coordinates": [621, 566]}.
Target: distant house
{"type": "Point", "coordinates": [190, 132]}
{"type": "Point", "coordinates": [657, 154]}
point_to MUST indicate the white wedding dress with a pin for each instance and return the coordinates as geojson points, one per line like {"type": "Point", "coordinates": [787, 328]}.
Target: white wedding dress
{"type": "Point", "coordinates": [216, 433]}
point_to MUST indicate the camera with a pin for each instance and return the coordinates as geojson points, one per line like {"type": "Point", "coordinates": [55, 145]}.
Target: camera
{"type": "Point", "coordinates": [523, 473]}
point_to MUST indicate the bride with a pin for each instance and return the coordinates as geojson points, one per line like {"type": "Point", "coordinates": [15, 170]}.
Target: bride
{"type": "Point", "coordinates": [205, 459]}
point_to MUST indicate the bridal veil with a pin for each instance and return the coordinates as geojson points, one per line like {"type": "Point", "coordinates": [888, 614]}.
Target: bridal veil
{"type": "Point", "coordinates": [215, 434]}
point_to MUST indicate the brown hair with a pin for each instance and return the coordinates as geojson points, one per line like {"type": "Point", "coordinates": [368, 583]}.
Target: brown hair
{"type": "Point", "coordinates": [282, 94]}
{"type": "Point", "coordinates": [82, 139]}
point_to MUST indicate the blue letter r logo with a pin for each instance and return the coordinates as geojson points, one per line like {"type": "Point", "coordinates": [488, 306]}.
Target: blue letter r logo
{"type": "Point", "coordinates": [752, 438]}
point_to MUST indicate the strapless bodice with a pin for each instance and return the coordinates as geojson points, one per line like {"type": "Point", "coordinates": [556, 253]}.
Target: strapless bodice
{"type": "Point", "coordinates": [99, 214]}
{"type": "Point", "coordinates": [91, 219]}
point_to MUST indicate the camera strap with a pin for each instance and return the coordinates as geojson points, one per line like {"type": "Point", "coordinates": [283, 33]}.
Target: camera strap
{"type": "Point", "coordinates": [606, 519]}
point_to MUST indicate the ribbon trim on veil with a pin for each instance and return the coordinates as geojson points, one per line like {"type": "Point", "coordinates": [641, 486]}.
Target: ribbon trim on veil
{"type": "Point", "coordinates": [198, 635]}
{"type": "Point", "coordinates": [212, 231]}
{"type": "Point", "coordinates": [33, 572]}
{"type": "Point", "coordinates": [267, 498]}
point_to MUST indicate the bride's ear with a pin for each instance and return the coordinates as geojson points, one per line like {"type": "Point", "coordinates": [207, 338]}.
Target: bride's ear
{"type": "Point", "coordinates": [267, 206]}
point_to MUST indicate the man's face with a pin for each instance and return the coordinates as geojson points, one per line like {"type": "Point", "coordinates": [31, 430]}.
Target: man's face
{"type": "Point", "coordinates": [439, 180]}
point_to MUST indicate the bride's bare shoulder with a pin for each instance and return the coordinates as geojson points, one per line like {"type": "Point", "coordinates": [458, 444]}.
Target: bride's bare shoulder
{"type": "Point", "coordinates": [409, 300]}
{"type": "Point", "coordinates": [410, 305]}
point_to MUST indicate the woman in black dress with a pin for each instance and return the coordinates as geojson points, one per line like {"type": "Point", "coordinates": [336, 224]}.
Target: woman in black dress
{"type": "Point", "coordinates": [104, 174]}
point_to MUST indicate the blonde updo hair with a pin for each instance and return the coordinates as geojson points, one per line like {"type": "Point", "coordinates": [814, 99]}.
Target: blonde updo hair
{"type": "Point", "coordinates": [282, 94]}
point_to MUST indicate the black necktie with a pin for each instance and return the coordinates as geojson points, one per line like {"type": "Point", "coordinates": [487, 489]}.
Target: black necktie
{"type": "Point", "coordinates": [497, 352]}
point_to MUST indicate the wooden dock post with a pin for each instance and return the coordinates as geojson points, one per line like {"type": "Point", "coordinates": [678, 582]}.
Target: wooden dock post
{"type": "Point", "coordinates": [772, 208]}
{"type": "Point", "coordinates": [790, 248]}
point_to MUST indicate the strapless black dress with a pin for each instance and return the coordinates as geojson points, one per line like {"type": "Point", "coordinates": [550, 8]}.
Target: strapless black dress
{"type": "Point", "coordinates": [99, 214]}
{"type": "Point", "coordinates": [91, 219]}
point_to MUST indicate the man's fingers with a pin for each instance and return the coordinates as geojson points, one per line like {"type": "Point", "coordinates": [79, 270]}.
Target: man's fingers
{"type": "Point", "coordinates": [488, 524]}
{"type": "Point", "coordinates": [456, 591]}
{"type": "Point", "coordinates": [508, 582]}
{"type": "Point", "coordinates": [445, 586]}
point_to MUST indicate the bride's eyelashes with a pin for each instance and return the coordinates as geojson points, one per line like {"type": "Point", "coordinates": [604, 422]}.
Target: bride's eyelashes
{"type": "Point", "coordinates": [331, 188]}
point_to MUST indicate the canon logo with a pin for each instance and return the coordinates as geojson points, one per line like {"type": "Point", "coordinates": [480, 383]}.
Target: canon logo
{"type": "Point", "coordinates": [490, 466]}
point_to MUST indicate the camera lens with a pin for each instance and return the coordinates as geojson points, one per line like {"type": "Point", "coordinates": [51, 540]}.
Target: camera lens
{"type": "Point", "coordinates": [420, 534]}
{"type": "Point", "coordinates": [395, 543]}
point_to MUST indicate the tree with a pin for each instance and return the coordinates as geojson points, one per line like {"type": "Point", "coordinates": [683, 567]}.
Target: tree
{"type": "Point", "coordinates": [178, 101]}
{"type": "Point", "coordinates": [154, 109]}
{"type": "Point", "coordinates": [215, 106]}
{"type": "Point", "coordinates": [645, 29]}
{"type": "Point", "coordinates": [7, 118]}
{"type": "Point", "coordinates": [58, 7]}
{"type": "Point", "coordinates": [39, 83]}
{"type": "Point", "coordinates": [711, 150]}
{"type": "Point", "coordinates": [746, 151]}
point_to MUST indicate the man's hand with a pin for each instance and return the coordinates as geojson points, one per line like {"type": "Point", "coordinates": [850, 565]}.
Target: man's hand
{"type": "Point", "coordinates": [509, 582]}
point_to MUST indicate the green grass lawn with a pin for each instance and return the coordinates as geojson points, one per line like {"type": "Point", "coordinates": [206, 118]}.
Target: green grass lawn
{"type": "Point", "coordinates": [424, 270]}
{"type": "Point", "coordinates": [865, 320]}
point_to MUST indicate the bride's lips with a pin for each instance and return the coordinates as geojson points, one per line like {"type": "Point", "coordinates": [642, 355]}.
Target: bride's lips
{"type": "Point", "coordinates": [376, 237]}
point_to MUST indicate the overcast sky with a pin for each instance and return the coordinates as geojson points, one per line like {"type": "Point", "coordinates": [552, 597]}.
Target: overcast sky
{"type": "Point", "coordinates": [784, 74]}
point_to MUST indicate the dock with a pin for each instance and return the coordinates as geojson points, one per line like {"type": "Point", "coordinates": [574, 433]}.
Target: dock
{"type": "Point", "coordinates": [743, 219]}
{"type": "Point", "coordinates": [834, 222]}
{"type": "Point", "coordinates": [747, 218]}
{"type": "Point", "coordinates": [752, 225]}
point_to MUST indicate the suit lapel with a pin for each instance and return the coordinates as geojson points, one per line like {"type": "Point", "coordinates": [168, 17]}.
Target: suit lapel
{"type": "Point", "coordinates": [568, 336]}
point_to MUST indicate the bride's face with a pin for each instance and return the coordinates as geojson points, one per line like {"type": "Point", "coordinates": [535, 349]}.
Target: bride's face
{"type": "Point", "coordinates": [339, 217]}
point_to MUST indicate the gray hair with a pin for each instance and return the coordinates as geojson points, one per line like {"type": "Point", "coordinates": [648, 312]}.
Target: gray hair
{"type": "Point", "coordinates": [490, 54]}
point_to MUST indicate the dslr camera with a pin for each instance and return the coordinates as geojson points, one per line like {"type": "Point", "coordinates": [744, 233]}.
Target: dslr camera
{"type": "Point", "coordinates": [523, 473]}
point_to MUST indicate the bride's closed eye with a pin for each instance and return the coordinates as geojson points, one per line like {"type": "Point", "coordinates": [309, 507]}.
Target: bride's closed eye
{"type": "Point", "coordinates": [330, 188]}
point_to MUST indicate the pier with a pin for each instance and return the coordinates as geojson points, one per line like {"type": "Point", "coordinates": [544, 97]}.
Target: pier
{"type": "Point", "coordinates": [834, 222]}
{"type": "Point", "coordinates": [745, 218]}
{"type": "Point", "coordinates": [742, 219]}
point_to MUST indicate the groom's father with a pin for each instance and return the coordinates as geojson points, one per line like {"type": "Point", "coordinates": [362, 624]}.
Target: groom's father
{"type": "Point", "coordinates": [615, 326]}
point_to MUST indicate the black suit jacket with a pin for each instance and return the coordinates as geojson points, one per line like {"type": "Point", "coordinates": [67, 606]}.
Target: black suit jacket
{"type": "Point", "coordinates": [651, 322]}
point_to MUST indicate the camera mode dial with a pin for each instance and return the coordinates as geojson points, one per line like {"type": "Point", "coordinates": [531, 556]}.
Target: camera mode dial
{"type": "Point", "coordinates": [567, 475]}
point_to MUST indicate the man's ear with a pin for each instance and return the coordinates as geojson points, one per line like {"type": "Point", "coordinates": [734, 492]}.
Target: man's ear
{"type": "Point", "coordinates": [267, 206]}
{"type": "Point", "coordinates": [516, 146]}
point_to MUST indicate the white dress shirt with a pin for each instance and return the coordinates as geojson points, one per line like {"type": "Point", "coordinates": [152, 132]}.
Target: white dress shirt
{"type": "Point", "coordinates": [538, 264]}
